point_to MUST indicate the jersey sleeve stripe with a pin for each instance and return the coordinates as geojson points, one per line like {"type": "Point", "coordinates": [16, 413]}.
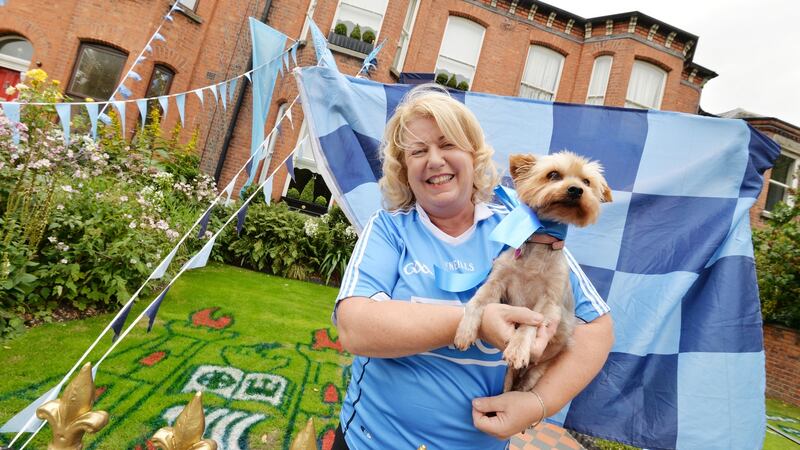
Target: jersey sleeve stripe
{"type": "Point", "coordinates": [350, 279]}
{"type": "Point", "coordinates": [586, 285]}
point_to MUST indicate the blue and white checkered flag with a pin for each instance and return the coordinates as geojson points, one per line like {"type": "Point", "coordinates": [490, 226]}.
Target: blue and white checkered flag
{"type": "Point", "coordinates": [672, 254]}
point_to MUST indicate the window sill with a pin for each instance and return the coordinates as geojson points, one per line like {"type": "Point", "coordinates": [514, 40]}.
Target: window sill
{"type": "Point", "coordinates": [189, 13]}
{"type": "Point", "coordinates": [347, 51]}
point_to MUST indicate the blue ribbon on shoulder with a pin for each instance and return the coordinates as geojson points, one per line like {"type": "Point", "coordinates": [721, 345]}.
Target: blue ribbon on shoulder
{"type": "Point", "coordinates": [456, 281]}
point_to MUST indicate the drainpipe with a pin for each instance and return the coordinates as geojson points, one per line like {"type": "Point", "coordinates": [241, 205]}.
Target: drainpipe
{"type": "Point", "coordinates": [235, 115]}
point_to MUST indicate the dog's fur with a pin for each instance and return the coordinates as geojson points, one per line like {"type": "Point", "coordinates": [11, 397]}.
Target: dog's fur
{"type": "Point", "coordinates": [562, 187]}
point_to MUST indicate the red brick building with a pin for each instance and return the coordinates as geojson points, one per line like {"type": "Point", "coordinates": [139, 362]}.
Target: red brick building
{"type": "Point", "coordinates": [524, 48]}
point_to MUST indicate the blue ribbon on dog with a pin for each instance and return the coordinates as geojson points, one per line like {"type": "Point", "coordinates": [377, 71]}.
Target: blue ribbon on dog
{"type": "Point", "coordinates": [520, 223]}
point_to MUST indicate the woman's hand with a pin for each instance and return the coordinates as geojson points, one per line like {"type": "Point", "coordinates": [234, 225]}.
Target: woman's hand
{"type": "Point", "coordinates": [543, 335]}
{"type": "Point", "coordinates": [506, 414]}
{"type": "Point", "coordinates": [499, 321]}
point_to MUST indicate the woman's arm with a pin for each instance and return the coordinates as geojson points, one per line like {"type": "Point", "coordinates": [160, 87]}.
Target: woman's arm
{"type": "Point", "coordinates": [569, 373]}
{"type": "Point", "coordinates": [392, 328]}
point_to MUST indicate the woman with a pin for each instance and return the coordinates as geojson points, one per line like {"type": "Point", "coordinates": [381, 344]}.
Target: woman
{"type": "Point", "coordinates": [409, 385]}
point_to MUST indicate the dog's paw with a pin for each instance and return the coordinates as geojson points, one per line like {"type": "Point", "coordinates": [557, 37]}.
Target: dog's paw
{"type": "Point", "coordinates": [516, 356]}
{"type": "Point", "coordinates": [465, 337]}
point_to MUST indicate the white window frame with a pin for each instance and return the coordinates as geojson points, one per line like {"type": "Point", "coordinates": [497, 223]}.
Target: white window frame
{"type": "Point", "coordinates": [631, 103]}
{"type": "Point", "coordinates": [480, 48]}
{"type": "Point", "coordinates": [273, 139]}
{"type": "Point", "coordinates": [596, 96]}
{"type": "Point", "coordinates": [792, 180]}
{"type": "Point", "coordinates": [528, 58]}
{"type": "Point", "coordinates": [185, 4]}
{"type": "Point", "coordinates": [312, 5]}
{"type": "Point", "coordinates": [12, 62]}
{"type": "Point", "coordinates": [380, 25]}
{"type": "Point", "coordinates": [405, 35]}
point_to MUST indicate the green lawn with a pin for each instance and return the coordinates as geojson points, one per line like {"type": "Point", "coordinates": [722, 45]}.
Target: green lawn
{"type": "Point", "coordinates": [266, 360]}
{"type": "Point", "coordinates": [262, 349]}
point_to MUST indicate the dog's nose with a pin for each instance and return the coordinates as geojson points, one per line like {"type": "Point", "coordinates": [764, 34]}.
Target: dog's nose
{"type": "Point", "coordinates": [574, 192]}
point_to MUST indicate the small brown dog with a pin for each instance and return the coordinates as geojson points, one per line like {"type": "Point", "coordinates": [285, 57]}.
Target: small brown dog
{"type": "Point", "coordinates": [562, 187]}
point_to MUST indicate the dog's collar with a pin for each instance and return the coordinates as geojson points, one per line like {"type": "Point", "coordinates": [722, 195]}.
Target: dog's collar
{"type": "Point", "coordinates": [543, 239]}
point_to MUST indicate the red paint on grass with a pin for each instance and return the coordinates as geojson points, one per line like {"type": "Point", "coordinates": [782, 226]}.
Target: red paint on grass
{"type": "Point", "coordinates": [203, 318]}
{"type": "Point", "coordinates": [148, 446]}
{"type": "Point", "coordinates": [151, 359]}
{"type": "Point", "coordinates": [327, 439]}
{"type": "Point", "coordinates": [323, 340]}
{"type": "Point", "coordinates": [99, 390]}
{"type": "Point", "coordinates": [331, 394]}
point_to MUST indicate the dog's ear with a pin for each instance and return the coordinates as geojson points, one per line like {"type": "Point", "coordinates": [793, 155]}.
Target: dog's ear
{"type": "Point", "coordinates": [519, 164]}
{"type": "Point", "coordinates": [606, 191]}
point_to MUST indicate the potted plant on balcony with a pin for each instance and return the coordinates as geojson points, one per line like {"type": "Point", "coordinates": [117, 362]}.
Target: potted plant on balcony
{"type": "Point", "coordinates": [368, 37]}
{"type": "Point", "coordinates": [304, 201]}
{"type": "Point", "coordinates": [463, 86]}
{"type": "Point", "coordinates": [339, 37]}
{"type": "Point", "coordinates": [441, 78]}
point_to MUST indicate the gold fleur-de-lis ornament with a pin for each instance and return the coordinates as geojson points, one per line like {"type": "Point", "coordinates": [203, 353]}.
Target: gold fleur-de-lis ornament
{"type": "Point", "coordinates": [187, 434]}
{"type": "Point", "coordinates": [71, 415]}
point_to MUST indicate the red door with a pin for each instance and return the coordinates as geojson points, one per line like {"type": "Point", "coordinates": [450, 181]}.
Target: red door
{"type": "Point", "coordinates": [8, 78]}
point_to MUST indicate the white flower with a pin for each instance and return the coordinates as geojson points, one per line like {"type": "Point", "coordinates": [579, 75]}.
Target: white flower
{"type": "Point", "coordinates": [52, 239]}
{"type": "Point", "coordinates": [148, 265]}
{"type": "Point", "coordinates": [10, 91]}
{"type": "Point", "coordinates": [132, 225]}
{"type": "Point", "coordinates": [63, 261]}
{"type": "Point", "coordinates": [123, 198]}
{"type": "Point", "coordinates": [67, 188]}
{"type": "Point", "coordinates": [59, 207]}
{"type": "Point", "coordinates": [134, 260]}
{"type": "Point", "coordinates": [172, 234]}
{"type": "Point", "coordinates": [350, 231]}
{"type": "Point", "coordinates": [310, 227]}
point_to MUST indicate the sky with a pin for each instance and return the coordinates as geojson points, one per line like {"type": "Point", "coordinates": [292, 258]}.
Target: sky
{"type": "Point", "coordinates": [754, 47]}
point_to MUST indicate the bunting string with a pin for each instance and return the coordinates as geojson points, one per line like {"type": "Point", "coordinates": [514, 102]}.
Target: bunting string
{"type": "Point", "coordinates": [203, 254]}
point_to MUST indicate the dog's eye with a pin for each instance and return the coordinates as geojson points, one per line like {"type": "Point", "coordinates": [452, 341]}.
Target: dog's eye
{"type": "Point", "coordinates": [586, 182]}
{"type": "Point", "coordinates": [554, 176]}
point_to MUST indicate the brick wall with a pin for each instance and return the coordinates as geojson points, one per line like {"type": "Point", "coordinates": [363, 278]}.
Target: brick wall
{"type": "Point", "coordinates": [782, 348]}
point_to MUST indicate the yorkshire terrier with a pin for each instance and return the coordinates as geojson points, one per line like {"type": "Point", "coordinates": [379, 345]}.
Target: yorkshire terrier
{"type": "Point", "coordinates": [562, 188]}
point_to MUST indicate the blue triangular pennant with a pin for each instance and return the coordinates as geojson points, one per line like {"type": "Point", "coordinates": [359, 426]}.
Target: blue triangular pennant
{"type": "Point", "coordinates": [233, 89]}
{"type": "Point", "coordinates": [140, 59]}
{"type": "Point", "coordinates": [64, 111]}
{"type": "Point", "coordinates": [142, 105]}
{"type": "Point", "coordinates": [159, 37]}
{"type": "Point", "coordinates": [11, 111]}
{"type": "Point", "coordinates": [148, 48]}
{"type": "Point", "coordinates": [134, 76]}
{"type": "Point", "coordinates": [213, 89]}
{"type": "Point", "coordinates": [180, 100]}
{"type": "Point", "coordinates": [201, 258]}
{"type": "Point", "coordinates": [294, 53]}
{"type": "Point", "coordinates": [199, 94]}
{"type": "Point", "coordinates": [286, 60]}
{"type": "Point", "coordinates": [120, 107]}
{"type": "Point", "coordinates": [240, 216]}
{"type": "Point", "coordinates": [204, 223]}
{"type": "Point", "coordinates": [290, 165]}
{"type": "Point", "coordinates": [223, 94]}
{"type": "Point", "coordinates": [119, 321]}
{"type": "Point", "coordinates": [324, 55]}
{"type": "Point", "coordinates": [124, 91]}
{"type": "Point", "coordinates": [91, 108]}
{"type": "Point", "coordinates": [164, 102]}
{"type": "Point", "coordinates": [104, 118]}
{"type": "Point", "coordinates": [161, 270]}
{"type": "Point", "coordinates": [267, 189]}
{"type": "Point", "coordinates": [152, 310]}
{"type": "Point", "coordinates": [247, 75]}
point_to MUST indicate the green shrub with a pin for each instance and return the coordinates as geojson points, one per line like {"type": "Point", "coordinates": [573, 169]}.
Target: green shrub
{"type": "Point", "coordinates": [321, 201]}
{"type": "Point", "coordinates": [441, 79]}
{"type": "Point", "coordinates": [452, 82]}
{"type": "Point", "coordinates": [293, 193]}
{"type": "Point", "coordinates": [368, 36]}
{"type": "Point", "coordinates": [308, 192]}
{"type": "Point", "coordinates": [340, 29]}
{"type": "Point", "coordinates": [356, 33]}
{"type": "Point", "coordinates": [463, 86]}
{"type": "Point", "coordinates": [777, 255]}
{"type": "Point", "coordinates": [83, 226]}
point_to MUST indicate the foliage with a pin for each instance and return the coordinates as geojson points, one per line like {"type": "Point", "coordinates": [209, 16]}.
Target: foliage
{"type": "Point", "coordinates": [356, 33]}
{"type": "Point", "coordinates": [368, 36]}
{"type": "Point", "coordinates": [282, 242]}
{"type": "Point", "coordinates": [452, 82]}
{"type": "Point", "coordinates": [340, 29]}
{"type": "Point", "coordinates": [308, 192]}
{"type": "Point", "coordinates": [293, 193]}
{"type": "Point", "coordinates": [463, 86]}
{"type": "Point", "coordinates": [82, 225]}
{"type": "Point", "coordinates": [321, 201]}
{"type": "Point", "coordinates": [441, 78]}
{"type": "Point", "coordinates": [777, 254]}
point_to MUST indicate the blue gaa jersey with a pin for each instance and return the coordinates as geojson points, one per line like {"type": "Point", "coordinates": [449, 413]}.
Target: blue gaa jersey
{"type": "Point", "coordinates": [402, 403]}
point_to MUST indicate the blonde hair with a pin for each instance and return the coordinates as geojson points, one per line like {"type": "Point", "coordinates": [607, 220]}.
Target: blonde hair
{"type": "Point", "coordinates": [458, 125]}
